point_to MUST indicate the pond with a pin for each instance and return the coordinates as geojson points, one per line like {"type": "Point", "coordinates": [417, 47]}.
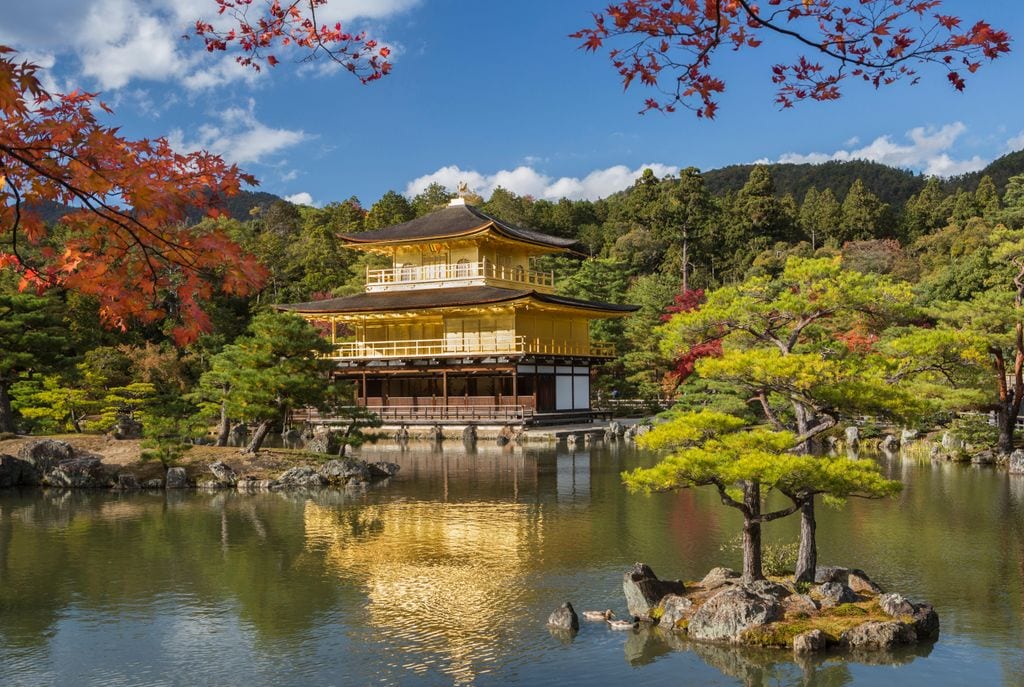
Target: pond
{"type": "Point", "coordinates": [447, 574]}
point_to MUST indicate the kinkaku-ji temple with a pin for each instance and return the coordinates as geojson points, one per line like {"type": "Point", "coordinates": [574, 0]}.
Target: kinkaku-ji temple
{"type": "Point", "coordinates": [461, 328]}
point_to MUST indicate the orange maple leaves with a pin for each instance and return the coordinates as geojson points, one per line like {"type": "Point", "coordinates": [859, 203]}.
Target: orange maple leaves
{"type": "Point", "coordinates": [281, 24]}
{"type": "Point", "coordinates": [878, 41]}
{"type": "Point", "coordinates": [124, 238]}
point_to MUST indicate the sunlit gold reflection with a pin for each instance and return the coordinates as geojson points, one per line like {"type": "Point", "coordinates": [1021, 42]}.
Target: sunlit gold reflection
{"type": "Point", "coordinates": [442, 579]}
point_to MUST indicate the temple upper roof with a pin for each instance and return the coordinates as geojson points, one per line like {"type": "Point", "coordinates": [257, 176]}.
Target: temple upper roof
{"type": "Point", "coordinates": [445, 298]}
{"type": "Point", "coordinates": [457, 220]}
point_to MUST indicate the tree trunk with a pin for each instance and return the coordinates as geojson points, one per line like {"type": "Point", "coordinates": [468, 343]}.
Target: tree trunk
{"type": "Point", "coordinates": [1007, 425]}
{"type": "Point", "coordinates": [258, 436]}
{"type": "Point", "coordinates": [6, 412]}
{"type": "Point", "coordinates": [752, 569]}
{"type": "Point", "coordinates": [807, 558]}
{"type": "Point", "coordinates": [224, 429]}
{"type": "Point", "coordinates": [686, 260]}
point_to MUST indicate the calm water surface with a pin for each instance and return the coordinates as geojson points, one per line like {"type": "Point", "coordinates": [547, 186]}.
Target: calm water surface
{"type": "Point", "coordinates": [447, 574]}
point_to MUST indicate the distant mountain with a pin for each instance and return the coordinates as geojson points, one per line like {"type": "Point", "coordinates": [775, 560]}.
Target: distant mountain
{"type": "Point", "coordinates": [239, 207]}
{"type": "Point", "coordinates": [891, 184]}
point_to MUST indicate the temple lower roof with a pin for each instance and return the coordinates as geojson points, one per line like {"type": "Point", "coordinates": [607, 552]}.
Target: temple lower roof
{"type": "Point", "coordinates": [425, 299]}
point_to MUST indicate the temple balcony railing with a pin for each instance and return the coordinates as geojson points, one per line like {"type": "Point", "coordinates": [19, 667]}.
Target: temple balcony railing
{"type": "Point", "coordinates": [482, 345]}
{"type": "Point", "coordinates": [456, 274]}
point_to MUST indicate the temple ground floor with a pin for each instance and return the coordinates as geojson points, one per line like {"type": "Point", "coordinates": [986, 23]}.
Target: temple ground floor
{"type": "Point", "coordinates": [526, 390]}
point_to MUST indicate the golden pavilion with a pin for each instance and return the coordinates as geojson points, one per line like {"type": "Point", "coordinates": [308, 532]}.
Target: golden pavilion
{"type": "Point", "coordinates": [461, 327]}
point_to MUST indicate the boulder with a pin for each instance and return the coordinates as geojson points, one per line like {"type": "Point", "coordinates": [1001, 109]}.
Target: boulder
{"type": "Point", "coordinates": [383, 469]}
{"type": "Point", "coordinates": [809, 642]}
{"type": "Point", "coordinates": [46, 453]}
{"type": "Point", "coordinates": [800, 604]}
{"type": "Point", "coordinates": [436, 433]}
{"type": "Point", "coordinates": [830, 573]}
{"type": "Point", "coordinates": [614, 431]}
{"type": "Point", "coordinates": [890, 443]}
{"type": "Point", "coordinates": [223, 473]}
{"type": "Point", "coordinates": [324, 442]}
{"type": "Point", "coordinates": [345, 470]}
{"type": "Point", "coordinates": [952, 443]}
{"type": "Point", "coordinates": [78, 473]}
{"type": "Point", "coordinates": [982, 458]}
{"type": "Point", "coordinates": [644, 590]}
{"type": "Point", "coordinates": [564, 618]}
{"type": "Point", "coordinates": [674, 609]}
{"type": "Point", "coordinates": [469, 435]}
{"type": "Point", "coordinates": [852, 436]}
{"type": "Point", "coordinates": [896, 605]}
{"type": "Point", "coordinates": [573, 441]}
{"type": "Point", "coordinates": [301, 477]}
{"type": "Point", "coordinates": [1016, 462]}
{"type": "Point", "coordinates": [908, 435]}
{"type": "Point", "coordinates": [717, 577]}
{"type": "Point", "coordinates": [860, 583]}
{"type": "Point", "coordinates": [730, 612]}
{"type": "Point", "coordinates": [126, 427]}
{"type": "Point", "coordinates": [506, 435]}
{"type": "Point", "coordinates": [926, 622]}
{"type": "Point", "coordinates": [253, 484]}
{"type": "Point", "coordinates": [176, 478]}
{"type": "Point", "coordinates": [155, 483]}
{"type": "Point", "coordinates": [127, 482]}
{"type": "Point", "coordinates": [768, 588]}
{"type": "Point", "coordinates": [878, 636]}
{"type": "Point", "coordinates": [402, 435]}
{"type": "Point", "coordinates": [15, 472]}
{"type": "Point", "coordinates": [836, 593]}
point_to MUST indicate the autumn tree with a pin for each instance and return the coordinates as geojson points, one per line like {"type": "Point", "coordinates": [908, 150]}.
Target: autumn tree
{"type": "Point", "coordinates": [125, 240]}
{"type": "Point", "coordinates": [671, 46]}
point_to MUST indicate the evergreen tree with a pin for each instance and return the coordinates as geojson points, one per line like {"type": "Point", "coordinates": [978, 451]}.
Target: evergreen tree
{"type": "Point", "coordinates": [391, 209]}
{"type": "Point", "coordinates": [819, 216]}
{"type": "Point", "coordinates": [433, 197]}
{"type": "Point", "coordinates": [862, 214]}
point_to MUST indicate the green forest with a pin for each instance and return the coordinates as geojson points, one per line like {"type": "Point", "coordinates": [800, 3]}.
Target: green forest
{"type": "Point", "coordinates": [920, 280]}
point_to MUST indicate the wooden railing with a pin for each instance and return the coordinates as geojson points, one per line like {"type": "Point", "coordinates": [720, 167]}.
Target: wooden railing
{"type": "Point", "coordinates": [459, 271]}
{"type": "Point", "coordinates": [424, 414]}
{"type": "Point", "coordinates": [482, 344]}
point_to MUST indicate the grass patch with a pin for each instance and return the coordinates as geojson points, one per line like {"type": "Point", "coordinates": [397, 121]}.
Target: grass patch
{"type": "Point", "coordinates": [832, 621]}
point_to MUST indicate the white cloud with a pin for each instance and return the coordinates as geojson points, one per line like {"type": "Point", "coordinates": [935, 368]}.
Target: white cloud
{"type": "Point", "coordinates": [927, 150]}
{"type": "Point", "coordinates": [116, 42]}
{"type": "Point", "coordinates": [238, 136]}
{"type": "Point", "coordinates": [524, 180]}
{"type": "Point", "coordinates": [1015, 143]}
{"type": "Point", "coordinates": [302, 198]}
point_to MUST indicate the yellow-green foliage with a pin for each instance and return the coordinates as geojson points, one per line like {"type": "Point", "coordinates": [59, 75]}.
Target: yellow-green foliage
{"type": "Point", "coordinates": [689, 428]}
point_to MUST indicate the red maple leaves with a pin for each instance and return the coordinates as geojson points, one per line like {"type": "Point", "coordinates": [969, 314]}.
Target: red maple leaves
{"type": "Point", "coordinates": [684, 365]}
{"type": "Point", "coordinates": [670, 45]}
{"type": "Point", "coordinates": [124, 240]}
{"type": "Point", "coordinates": [277, 25]}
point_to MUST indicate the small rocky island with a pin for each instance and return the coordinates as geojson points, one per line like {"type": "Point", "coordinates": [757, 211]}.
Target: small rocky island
{"type": "Point", "coordinates": [58, 464]}
{"type": "Point", "coordinates": [842, 609]}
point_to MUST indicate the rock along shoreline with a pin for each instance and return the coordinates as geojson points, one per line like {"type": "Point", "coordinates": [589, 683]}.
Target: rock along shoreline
{"type": "Point", "coordinates": [57, 464]}
{"type": "Point", "coordinates": [843, 609]}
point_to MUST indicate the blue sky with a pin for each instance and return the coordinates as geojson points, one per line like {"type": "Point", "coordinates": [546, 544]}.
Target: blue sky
{"type": "Point", "coordinates": [493, 93]}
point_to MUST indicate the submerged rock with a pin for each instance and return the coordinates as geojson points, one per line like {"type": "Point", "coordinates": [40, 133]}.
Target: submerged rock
{"type": "Point", "coordinates": [644, 590]}
{"type": "Point", "coordinates": [127, 482]}
{"type": "Point", "coordinates": [15, 472]}
{"type": "Point", "coordinates": [730, 612]}
{"type": "Point", "coordinates": [176, 478]}
{"type": "Point", "coordinates": [383, 469]}
{"type": "Point", "coordinates": [1016, 462]}
{"type": "Point", "coordinates": [345, 470]}
{"type": "Point", "coordinates": [877, 636]}
{"type": "Point", "coordinates": [155, 483]}
{"type": "Point", "coordinates": [564, 618]}
{"type": "Point", "coordinates": [301, 477]}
